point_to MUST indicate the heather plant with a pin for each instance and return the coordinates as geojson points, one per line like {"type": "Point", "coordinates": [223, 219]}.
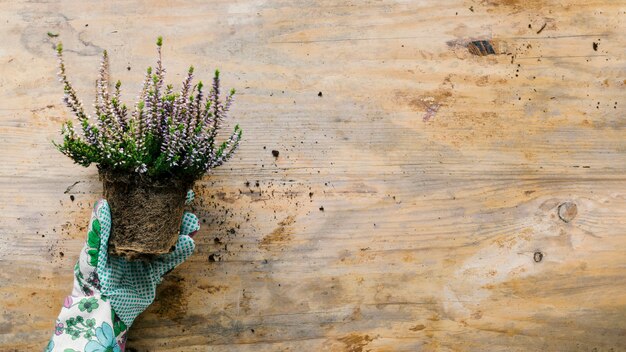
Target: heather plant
{"type": "Point", "coordinates": [167, 134]}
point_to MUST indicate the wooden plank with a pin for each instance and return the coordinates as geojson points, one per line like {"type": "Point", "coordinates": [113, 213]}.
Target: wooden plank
{"type": "Point", "coordinates": [440, 169]}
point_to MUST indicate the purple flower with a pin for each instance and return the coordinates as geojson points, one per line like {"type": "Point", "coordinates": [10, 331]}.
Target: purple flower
{"type": "Point", "coordinates": [94, 280]}
{"type": "Point", "coordinates": [58, 329]}
{"type": "Point", "coordinates": [122, 341]}
{"type": "Point", "coordinates": [68, 302]}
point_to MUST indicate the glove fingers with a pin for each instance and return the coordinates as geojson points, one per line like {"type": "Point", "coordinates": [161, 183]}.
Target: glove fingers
{"type": "Point", "coordinates": [190, 196]}
{"type": "Point", "coordinates": [190, 224]}
{"type": "Point", "coordinates": [183, 249]}
{"type": "Point", "coordinates": [166, 262]}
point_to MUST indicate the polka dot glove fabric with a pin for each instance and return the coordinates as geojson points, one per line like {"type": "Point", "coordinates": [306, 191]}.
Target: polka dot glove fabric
{"type": "Point", "coordinates": [109, 291]}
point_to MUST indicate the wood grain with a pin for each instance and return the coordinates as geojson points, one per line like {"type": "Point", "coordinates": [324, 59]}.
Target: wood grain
{"type": "Point", "coordinates": [440, 171]}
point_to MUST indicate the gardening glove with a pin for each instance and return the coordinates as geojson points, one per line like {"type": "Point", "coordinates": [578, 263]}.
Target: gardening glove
{"type": "Point", "coordinates": [109, 291]}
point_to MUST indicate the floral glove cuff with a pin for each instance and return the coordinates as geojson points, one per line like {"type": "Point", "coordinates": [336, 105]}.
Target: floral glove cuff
{"type": "Point", "coordinates": [87, 324]}
{"type": "Point", "coordinates": [110, 292]}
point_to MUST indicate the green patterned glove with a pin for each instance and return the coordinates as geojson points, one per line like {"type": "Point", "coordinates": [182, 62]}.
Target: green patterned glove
{"type": "Point", "coordinates": [109, 291]}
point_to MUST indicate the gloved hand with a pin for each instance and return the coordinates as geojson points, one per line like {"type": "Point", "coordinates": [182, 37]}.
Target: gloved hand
{"type": "Point", "coordinates": [109, 291]}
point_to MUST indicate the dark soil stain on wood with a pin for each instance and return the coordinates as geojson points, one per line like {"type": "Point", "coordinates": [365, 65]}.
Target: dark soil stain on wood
{"type": "Point", "coordinates": [430, 102]}
{"type": "Point", "coordinates": [212, 289]}
{"type": "Point", "coordinates": [356, 342]}
{"type": "Point", "coordinates": [280, 233]}
{"type": "Point", "coordinates": [418, 327]}
{"type": "Point", "coordinates": [171, 300]}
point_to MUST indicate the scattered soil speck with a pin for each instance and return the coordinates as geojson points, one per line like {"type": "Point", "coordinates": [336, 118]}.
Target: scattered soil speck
{"type": "Point", "coordinates": [320, 94]}
{"type": "Point", "coordinates": [542, 28]}
{"type": "Point", "coordinates": [72, 197]}
{"type": "Point", "coordinates": [275, 153]}
{"type": "Point", "coordinates": [595, 46]}
{"type": "Point", "coordinates": [322, 208]}
{"type": "Point", "coordinates": [68, 189]}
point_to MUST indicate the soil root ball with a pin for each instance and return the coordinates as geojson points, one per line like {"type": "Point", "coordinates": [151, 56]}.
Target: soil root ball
{"type": "Point", "coordinates": [146, 213]}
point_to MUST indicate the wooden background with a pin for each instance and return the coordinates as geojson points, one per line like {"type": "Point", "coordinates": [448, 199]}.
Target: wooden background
{"type": "Point", "coordinates": [440, 166]}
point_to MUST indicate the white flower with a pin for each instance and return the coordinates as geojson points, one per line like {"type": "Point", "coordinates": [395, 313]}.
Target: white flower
{"type": "Point", "coordinates": [141, 168]}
